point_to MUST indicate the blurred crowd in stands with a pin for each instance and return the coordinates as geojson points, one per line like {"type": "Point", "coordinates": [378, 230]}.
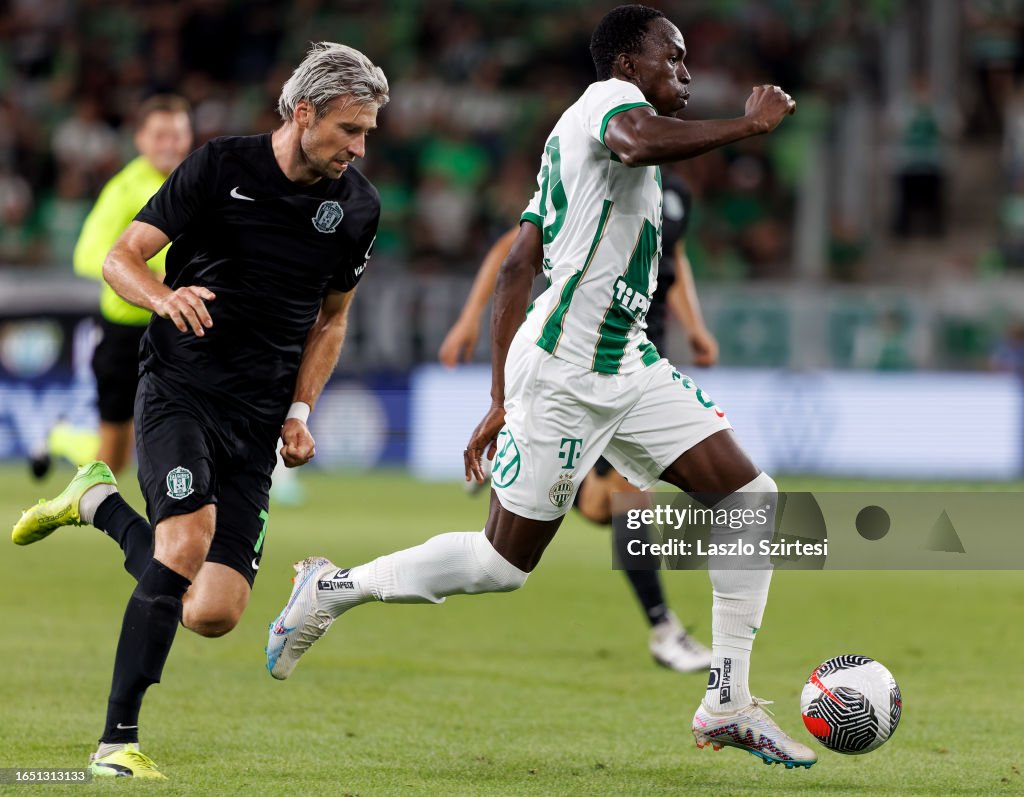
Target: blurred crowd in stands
{"type": "Point", "coordinates": [475, 87]}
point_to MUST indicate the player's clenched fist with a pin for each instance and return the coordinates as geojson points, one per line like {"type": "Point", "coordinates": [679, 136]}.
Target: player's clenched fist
{"type": "Point", "coordinates": [767, 105]}
{"type": "Point", "coordinates": [299, 446]}
{"type": "Point", "coordinates": [186, 307]}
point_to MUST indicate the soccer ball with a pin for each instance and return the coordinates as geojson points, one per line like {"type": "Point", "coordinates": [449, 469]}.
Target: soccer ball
{"type": "Point", "coordinates": [851, 704]}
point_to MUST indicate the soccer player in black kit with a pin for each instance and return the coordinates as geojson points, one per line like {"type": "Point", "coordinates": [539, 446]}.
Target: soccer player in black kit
{"type": "Point", "coordinates": [271, 234]}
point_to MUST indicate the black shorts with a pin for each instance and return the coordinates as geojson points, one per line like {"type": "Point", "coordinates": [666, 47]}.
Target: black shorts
{"type": "Point", "coordinates": [193, 452]}
{"type": "Point", "coordinates": [116, 365]}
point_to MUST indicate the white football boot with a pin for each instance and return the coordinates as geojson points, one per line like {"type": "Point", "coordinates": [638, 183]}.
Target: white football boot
{"type": "Point", "coordinates": [672, 647]}
{"type": "Point", "coordinates": [302, 621]}
{"type": "Point", "coordinates": [752, 729]}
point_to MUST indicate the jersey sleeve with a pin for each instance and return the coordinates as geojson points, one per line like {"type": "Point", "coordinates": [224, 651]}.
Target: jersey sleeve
{"type": "Point", "coordinates": [604, 100]}
{"type": "Point", "coordinates": [352, 267]}
{"type": "Point", "coordinates": [183, 195]}
{"type": "Point", "coordinates": [105, 222]}
{"type": "Point", "coordinates": [533, 213]}
{"type": "Point", "coordinates": [116, 206]}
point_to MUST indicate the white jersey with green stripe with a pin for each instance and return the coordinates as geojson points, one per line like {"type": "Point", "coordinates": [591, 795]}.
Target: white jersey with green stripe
{"type": "Point", "coordinates": [601, 229]}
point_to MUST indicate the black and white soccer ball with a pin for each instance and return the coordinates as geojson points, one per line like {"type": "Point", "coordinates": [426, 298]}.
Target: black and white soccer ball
{"type": "Point", "coordinates": [851, 704]}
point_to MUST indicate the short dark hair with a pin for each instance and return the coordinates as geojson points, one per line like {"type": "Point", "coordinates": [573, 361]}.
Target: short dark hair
{"type": "Point", "coordinates": [622, 30]}
{"type": "Point", "coordinates": [160, 103]}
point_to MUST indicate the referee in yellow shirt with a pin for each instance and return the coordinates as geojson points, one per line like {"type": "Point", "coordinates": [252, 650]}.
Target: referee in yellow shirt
{"type": "Point", "coordinates": [163, 137]}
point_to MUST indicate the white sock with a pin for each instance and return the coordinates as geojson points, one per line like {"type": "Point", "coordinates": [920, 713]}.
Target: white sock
{"type": "Point", "coordinates": [727, 683]}
{"type": "Point", "coordinates": [739, 597]}
{"type": "Point", "coordinates": [91, 500]}
{"type": "Point", "coordinates": [106, 748]}
{"type": "Point", "coordinates": [457, 563]}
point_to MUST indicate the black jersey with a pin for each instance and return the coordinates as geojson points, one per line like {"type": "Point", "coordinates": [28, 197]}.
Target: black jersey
{"type": "Point", "coordinates": [675, 214]}
{"type": "Point", "coordinates": [269, 249]}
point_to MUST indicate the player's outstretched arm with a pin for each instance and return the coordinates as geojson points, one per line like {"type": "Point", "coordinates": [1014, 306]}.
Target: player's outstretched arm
{"type": "Point", "coordinates": [126, 271]}
{"type": "Point", "coordinates": [641, 138]}
{"type": "Point", "coordinates": [685, 306]}
{"type": "Point", "coordinates": [319, 358]}
{"type": "Point", "coordinates": [511, 298]}
{"type": "Point", "coordinates": [460, 341]}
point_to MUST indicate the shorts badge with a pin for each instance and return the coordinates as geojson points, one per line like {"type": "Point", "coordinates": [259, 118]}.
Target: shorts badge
{"type": "Point", "coordinates": [561, 491]}
{"type": "Point", "coordinates": [505, 469]}
{"type": "Point", "coordinates": [179, 483]}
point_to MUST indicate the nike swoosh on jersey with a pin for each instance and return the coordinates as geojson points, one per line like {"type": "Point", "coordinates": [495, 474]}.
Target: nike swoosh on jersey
{"type": "Point", "coordinates": [237, 195]}
{"type": "Point", "coordinates": [255, 564]}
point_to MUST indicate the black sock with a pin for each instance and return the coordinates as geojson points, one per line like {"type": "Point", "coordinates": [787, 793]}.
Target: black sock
{"type": "Point", "coordinates": [642, 571]}
{"type": "Point", "coordinates": [115, 518]}
{"type": "Point", "coordinates": [147, 632]}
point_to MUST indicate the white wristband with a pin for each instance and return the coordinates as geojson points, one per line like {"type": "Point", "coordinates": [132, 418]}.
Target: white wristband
{"type": "Point", "coordinates": [300, 410]}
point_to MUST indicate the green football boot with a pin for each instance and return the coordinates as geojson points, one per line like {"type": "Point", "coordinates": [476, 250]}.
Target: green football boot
{"type": "Point", "coordinates": [127, 762]}
{"type": "Point", "coordinates": [48, 516]}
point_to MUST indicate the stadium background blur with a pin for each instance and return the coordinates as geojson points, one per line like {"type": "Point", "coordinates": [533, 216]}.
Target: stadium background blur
{"type": "Point", "coordinates": [857, 341]}
{"type": "Point", "coordinates": [877, 236]}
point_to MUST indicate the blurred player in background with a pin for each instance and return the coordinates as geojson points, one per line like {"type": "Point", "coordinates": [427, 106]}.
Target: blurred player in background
{"type": "Point", "coordinates": [271, 235]}
{"type": "Point", "coordinates": [163, 137]}
{"type": "Point", "coordinates": [578, 378]}
{"type": "Point", "coordinates": [669, 643]}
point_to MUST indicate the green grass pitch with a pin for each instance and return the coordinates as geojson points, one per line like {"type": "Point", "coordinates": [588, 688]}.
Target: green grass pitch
{"type": "Point", "coordinates": [548, 691]}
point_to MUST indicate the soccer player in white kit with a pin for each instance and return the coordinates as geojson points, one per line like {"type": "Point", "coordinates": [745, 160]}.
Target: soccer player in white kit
{"type": "Point", "coordinates": [578, 378]}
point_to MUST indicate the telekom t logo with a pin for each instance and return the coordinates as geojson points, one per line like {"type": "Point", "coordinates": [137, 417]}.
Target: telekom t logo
{"type": "Point", "coordinates": [570, 451]}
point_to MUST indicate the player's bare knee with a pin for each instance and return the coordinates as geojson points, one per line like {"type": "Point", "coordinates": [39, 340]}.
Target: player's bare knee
{"type": "Point", "coordinates": [514, 553]}
{"type": "Point", "coordinates": [183, 556]}
{"type": "Point", "coordinates": [182, 542]}
{"type": "Point", "coordinates": [519, 541]}
{"type": "Point", "coordinates": [211, 629]}
{"type": "Point", "coordinates": [207, 622]}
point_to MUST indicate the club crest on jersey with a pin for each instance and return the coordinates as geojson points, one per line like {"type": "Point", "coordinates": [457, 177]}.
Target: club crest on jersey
{"type": "Point", "coordinates": [179, 483]}
{"type": "Point", "coordinates": [328, 216]}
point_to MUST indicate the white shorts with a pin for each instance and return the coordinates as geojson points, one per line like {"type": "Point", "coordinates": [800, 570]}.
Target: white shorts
{"type": "Point", "coordinates": [560, 417]}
